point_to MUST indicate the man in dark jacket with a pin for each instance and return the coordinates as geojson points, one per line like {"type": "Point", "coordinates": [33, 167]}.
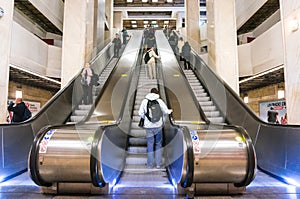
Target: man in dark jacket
{"type": "Point", "coordinates": [186, 54]}
{"type": "Point", "coordinates": [117, 45]}
{"type": "Point", "coordinates": [18, 109]}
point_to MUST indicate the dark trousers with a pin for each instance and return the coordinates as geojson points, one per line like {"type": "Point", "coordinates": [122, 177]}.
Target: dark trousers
{"type": "Point", "coordinates": [116, 51]}
{"type": "Point", "coordinates": [87, 95]}
{"type": "Point", "coordinates": [186, 63]}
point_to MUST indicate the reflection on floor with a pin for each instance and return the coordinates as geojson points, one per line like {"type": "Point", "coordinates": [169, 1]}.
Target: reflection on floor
{"type": "Point", "coordinates": [263, 187]}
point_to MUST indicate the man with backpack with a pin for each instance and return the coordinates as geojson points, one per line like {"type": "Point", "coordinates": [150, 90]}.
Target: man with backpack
{"type": "Point", "coordinates": [20, 111]}
{"type": "Point", "coordinates": [153, 109]}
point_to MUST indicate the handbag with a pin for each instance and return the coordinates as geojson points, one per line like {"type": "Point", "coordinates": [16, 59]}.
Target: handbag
{"type": "Point", "coordinates": [141, 123]}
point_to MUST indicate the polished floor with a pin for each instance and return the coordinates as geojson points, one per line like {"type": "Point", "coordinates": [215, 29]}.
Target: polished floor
{"type": "Point", "coordinates": [263, 187]}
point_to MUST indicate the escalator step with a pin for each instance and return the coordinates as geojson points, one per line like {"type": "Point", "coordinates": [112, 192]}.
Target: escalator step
{"type": "Point", "coordinates": [138, 133]}
{"type": "Point", "coordinates": [136, 159]}
{"type": "Point", "coordinates": [207, 103]}
{"type": "Point", "coordinates": [137, 141]}
{"type": "Point", "coordinates": [137, 150]}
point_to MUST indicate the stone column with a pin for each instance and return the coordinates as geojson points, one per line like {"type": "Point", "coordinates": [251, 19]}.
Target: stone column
{"type": "Point", "coordinates": [109, 5]}
{"type": "Point", "coordinates": [192, 20]}
{"type": "Point", "coordinates": [222, 40]}
{"type": "Point", "coordinates": [118, 21]}
{"type": "Point", "coordinates": [5, 39]}
{"type": "Point", "coordinates": [290, 17]}
{"type": "Point", "coordinates": [78, 31]}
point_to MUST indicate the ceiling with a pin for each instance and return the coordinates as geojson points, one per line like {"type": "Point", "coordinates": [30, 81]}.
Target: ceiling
{"type": "Point", "coordinates": [149, 10]}
{"type": "Point", "coordinates": [36, 16]}
{"type": "Point", "coordinates": [269, 8]}
{"type": "Point", "coordinates": [274, 77]}
{"type": "Point", "coordinates": [25, 78]}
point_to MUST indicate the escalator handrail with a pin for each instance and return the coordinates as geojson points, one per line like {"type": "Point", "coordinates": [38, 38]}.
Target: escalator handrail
{"type": "Point", "coordinates": [190, 150]}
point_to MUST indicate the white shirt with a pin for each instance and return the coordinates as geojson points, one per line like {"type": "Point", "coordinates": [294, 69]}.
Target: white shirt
{"type": "Point", "coordinates": [143, 110]}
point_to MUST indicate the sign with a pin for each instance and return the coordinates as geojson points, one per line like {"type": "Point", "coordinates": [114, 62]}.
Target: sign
{"type": "Point", "coordinates": [196, 142]}
{"type": "Point", "coordinates": [45, 141]}
{"type": "Point", "coordinates": [274, 109]}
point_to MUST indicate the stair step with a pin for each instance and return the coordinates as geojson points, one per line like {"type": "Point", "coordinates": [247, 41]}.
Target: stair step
{"type": "Point", "coordinates": [136, 159]}
{"type": "Point", "coordinates": [209, 108]}
{"type": "Point", "coordinates": [137, 141]}
{"type": "Point", "coordinates": [137, 149]}
{"type": "Point", "coordinates": [138, 133]}
{"type": "Point", "coordinates": [217, 120]}
{"type": "Point", "coordinates": [84, 107]}
{"type": "Point", "coordinates": [74, 118]}
{"type": "Point", "coordinates": [81, 112]}
{"type": "Point", "coordinates": [212, 113]}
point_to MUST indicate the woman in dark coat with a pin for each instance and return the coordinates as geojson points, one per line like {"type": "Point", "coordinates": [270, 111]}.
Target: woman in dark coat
{"type": "Point", "coordinates": [186, 54]}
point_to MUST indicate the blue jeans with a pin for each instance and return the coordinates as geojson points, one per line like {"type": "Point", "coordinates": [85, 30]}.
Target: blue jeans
{"type": "Point", "coordinates": [154, 146]}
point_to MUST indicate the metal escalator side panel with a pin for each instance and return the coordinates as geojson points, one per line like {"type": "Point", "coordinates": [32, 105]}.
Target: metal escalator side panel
{"type": "Point", "coordinates": [221, 156]}
{"type": "Point", "coordinates": [95, 164]}
{"type": "Point", "coordinates": [60, 153]}
{"type": "Point", "coordinates": [188, 175]}
{"type": "Point", "coordinates": [113, 153]}
{"type": "Point", "coordinates": [33, 168]}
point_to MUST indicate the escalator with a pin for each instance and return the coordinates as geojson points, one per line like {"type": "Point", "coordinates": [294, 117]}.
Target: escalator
{"type": "Point", "coordinates": [106, 153]}
{"type": "Point", "coordinates": [276, 146]}
{"type": "Point", "coordinates": [14, 159]}
{"type": "Point", "coordinates": [60, 156]}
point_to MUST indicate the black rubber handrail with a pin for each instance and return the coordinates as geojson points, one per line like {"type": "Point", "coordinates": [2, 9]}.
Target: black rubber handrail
{"type": "Point", "coordinates": [188, 181]}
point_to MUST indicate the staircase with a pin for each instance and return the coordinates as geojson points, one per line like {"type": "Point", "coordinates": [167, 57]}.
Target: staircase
{"type": "Point", "coordinates": [207, 105]}
{"type": "Point", "coordinates": [137, 178]}
{"type": "Point", "coordinates": [82, 109]}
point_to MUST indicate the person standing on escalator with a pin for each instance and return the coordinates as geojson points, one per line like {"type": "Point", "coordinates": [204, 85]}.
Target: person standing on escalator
{"type": "Point", "coordinates": [117, 45]}
{"type": "Point", "coordinates": [86, 82]}
{"type": "Point", "coordinates": [152, 110]}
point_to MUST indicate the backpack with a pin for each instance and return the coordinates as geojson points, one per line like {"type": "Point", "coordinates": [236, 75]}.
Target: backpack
{"type": "Point", "coordinates": [147, 57]}
{"type": "Point", "coordinates": [95, 78]}
{"type": "Point", "coordinates": [154, 112]}
{"type": "Point", "coordinates": [27, 114]}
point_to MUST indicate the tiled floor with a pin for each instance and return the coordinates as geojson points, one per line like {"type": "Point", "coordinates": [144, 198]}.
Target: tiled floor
{"type": "Point", "coordinates": [263, 187]}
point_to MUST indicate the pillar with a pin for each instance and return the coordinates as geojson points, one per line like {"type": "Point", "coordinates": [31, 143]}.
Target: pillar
{"type": "Point", "coordinates": [5, 37]}
{"type": "Point", "coordinates": [76, 38]}
{"type": "Point", "coordinates": [109, 6]}
{"type": "Point", "coordinates": [290, 17]}
{"type": "Point", "coordinates": [118, 21]}
{"type": "Point", "coordinates": [192, 20]}
{"type": "Point", "coordinates": [222, 40]}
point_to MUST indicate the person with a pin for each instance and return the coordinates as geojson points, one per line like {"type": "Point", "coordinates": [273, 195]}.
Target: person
{"type": "Point", "coordinates": [272, 116]}
{"type": "Point", "coordinates": [172, 41]}
{"type": "Point", "coordinates": [87, 86]}
{"type": "Point", "coordinates": [18, 108]}
{"type": "Point", "coordinates": [153, 129]}
{"type": "Point", "coordinates": [150, 42]}
{"type": "Point", "coordinates": [186, 53]}
{"type": "Point", "coordinates": [125, 35]}
{"type": "Point", "coordinates": [180, 45]}
{"type": "Point", "coordinates": [117, 45]}
{"type": "Point", "coordinates": [283, 119]}
{"type": "Point", "coordinates": [151, 63]}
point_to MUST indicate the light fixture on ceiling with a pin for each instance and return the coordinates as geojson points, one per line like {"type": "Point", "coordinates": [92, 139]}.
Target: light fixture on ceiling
{"type": "Point", "coordinates": [154, 1]}
{"type": "Point", "coordinates": [134, 25]}
{"type": "Point", "coordinates": [146, 22]}
{"type": "Point", "coordinates": [169, 1]}
{"type": "Point", "coordinates": [154, 22]}
{"type": "Point", "coordinates": [166, 22]}
{"type": "Point", "coordinates": [144, 1]}
{"type": "Point", "coordinates": [129, 1]}
{"type": "Point", "coordinates": [133, 22]}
